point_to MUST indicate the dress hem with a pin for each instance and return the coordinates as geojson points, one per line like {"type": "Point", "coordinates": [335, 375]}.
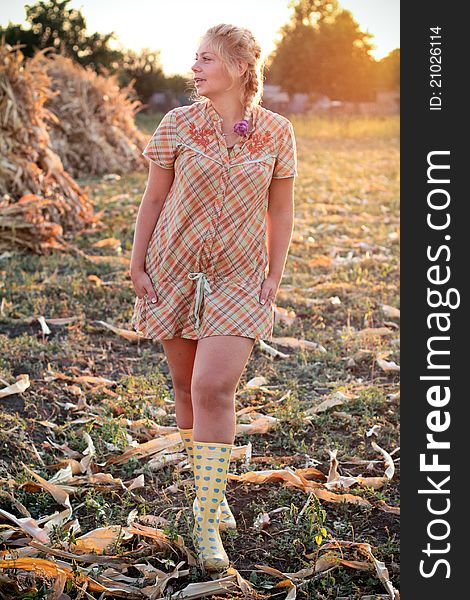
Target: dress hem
{"type": "Point", "coordinates": [255, 337]}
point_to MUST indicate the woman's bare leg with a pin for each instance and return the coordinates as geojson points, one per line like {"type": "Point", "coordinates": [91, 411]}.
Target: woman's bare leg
{"type": "Point", "coordinates": [218, 366]}
{"type": "Point", "coordinates": [180, 354]}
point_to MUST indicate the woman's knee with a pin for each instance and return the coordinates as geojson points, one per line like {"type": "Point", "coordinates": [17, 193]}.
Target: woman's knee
{"type": "Point", "coordinates": [182, 391]}
{"type": "Point", "coordinates": [211, 394]}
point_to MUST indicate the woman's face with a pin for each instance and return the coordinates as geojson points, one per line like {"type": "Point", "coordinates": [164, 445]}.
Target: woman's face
{"type": "Point", "coordinates": [211, 71]}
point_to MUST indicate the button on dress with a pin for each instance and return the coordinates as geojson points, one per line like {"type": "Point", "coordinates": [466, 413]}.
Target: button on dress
{"type": "Point", "coordinates": [207, 256]}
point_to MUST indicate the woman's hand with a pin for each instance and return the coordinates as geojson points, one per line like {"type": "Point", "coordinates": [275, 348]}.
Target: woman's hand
{"type": "Point", "coordinates": [269, 289]}
{"type": "Point", "coordinates": [143, 285]}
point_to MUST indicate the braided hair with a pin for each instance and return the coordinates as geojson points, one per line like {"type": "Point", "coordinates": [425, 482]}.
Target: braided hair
{"type": "Point", "coordinates": [233, 45]}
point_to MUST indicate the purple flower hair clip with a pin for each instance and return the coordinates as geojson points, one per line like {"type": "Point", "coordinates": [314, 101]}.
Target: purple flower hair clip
{"type": "Point", "coordinates": [241, 127]}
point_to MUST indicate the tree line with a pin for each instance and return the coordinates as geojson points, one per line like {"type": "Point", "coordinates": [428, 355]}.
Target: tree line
{"type": "Point", "coordinates": [321, 50]}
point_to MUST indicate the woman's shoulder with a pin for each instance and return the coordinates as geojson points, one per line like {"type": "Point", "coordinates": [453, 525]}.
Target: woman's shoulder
{"type": "Point", "coordinates": [188, 111]}
{"type": "Point", "coordinates": [183, 118]}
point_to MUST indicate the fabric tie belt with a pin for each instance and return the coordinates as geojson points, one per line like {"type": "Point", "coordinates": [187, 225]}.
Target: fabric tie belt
{"type": "Point", "coordinates": [202, 286]}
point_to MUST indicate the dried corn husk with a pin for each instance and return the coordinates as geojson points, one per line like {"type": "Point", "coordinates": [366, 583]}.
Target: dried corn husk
{"type": "Point", "coordinates": [40, 199]}
{"type": "Point", "coordinates": [94, 132]}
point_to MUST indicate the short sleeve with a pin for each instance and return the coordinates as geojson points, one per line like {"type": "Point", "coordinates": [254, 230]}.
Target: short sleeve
{"type": "Point", "coordinates": [286, 159]}
{"type": "Point", "coordinates": [161, 148]}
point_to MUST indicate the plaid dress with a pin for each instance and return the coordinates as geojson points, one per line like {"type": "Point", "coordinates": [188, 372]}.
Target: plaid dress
{"type": "Point", "coordinates": [207, 256]}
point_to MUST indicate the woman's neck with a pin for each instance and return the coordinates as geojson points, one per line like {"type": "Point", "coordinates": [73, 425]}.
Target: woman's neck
{"type": "Point", "coordinates": [230, 110]}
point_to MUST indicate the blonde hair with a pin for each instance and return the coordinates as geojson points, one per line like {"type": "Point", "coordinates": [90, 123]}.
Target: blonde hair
{"type": "Point", "coordinates": [233, 44]}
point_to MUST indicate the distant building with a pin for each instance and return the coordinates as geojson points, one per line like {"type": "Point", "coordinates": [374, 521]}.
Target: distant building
{"type": "Point", "coordinates": [163, 101]}
{"type": "Point", "coordinates": [275, 99]}
{"type": "Point", "coordinates": [389, 100]}
{"type": "Point", "coordinates": [299, 103]}
{"type": "Point", "coordinates": [323, 103]}
{"type": "Point", "coordinates": [278, 100]}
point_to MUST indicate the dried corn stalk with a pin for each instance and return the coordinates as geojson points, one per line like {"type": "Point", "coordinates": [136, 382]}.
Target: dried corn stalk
{"type": "Point", "coordinates": [94, 132]}
{"type": "Point", "coordinates": [40, 199]}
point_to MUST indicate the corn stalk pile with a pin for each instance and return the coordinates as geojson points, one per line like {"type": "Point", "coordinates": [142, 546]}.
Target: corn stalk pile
{"type": "Point", "coordinates": [95, 131]}
{"type": "Point", "coordinates": [39, 198]}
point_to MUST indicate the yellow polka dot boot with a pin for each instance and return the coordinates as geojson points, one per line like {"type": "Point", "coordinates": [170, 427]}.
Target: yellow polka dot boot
{"type": "Point", "coordinates": [227, 520]}
{"type": "Point", "coordinates": [211, 461]}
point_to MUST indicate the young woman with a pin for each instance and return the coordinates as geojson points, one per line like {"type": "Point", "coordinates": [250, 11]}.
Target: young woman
{"type": "Point", "coordinates": [210, 245]}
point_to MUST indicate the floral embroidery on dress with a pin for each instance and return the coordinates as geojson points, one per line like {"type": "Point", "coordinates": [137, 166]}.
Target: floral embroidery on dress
{"type": "Point", "coordinates": [256, 142]}
{"type": "Point", "coordinates": [201, 134]}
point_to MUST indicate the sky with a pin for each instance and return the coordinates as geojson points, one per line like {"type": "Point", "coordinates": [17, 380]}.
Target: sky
{"type": "Point", "coordinates": [175, 26]}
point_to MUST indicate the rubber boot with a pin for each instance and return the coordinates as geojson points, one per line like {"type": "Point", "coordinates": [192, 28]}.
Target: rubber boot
{"type": "Point", "coordinates": [211, 461]}
{"type": "Point", "coordinates": [227, 520]}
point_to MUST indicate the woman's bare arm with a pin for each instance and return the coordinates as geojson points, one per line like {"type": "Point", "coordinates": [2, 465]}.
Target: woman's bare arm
{"type": "Point", "coordinates": [280, 222]}
{"type": "Point", "coordinates": [158, 186]}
